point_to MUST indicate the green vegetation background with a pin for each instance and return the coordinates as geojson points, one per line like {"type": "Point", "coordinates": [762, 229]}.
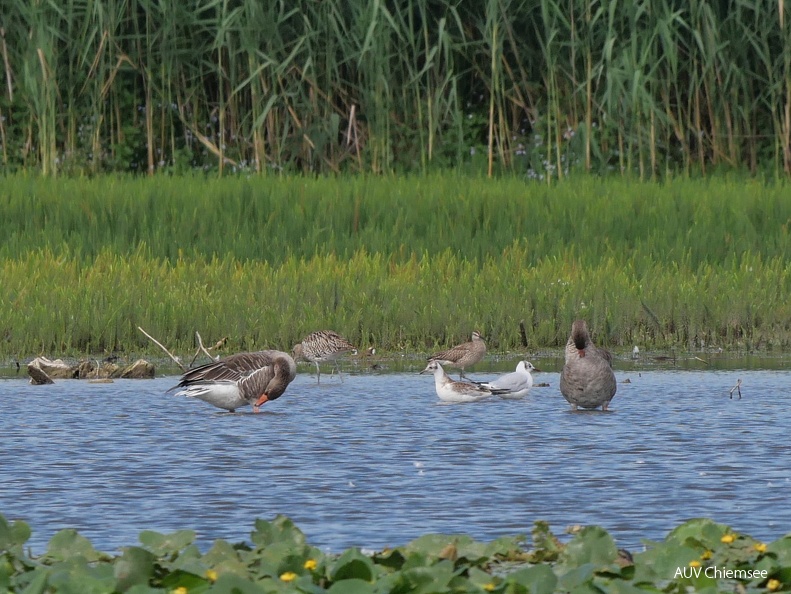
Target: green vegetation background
{"type": "Point", "coordinates": [400, 263]}
{"type": "Point", "coordinates": [692, 558]}
{"type": "Point", "coordinates": [540, 88]}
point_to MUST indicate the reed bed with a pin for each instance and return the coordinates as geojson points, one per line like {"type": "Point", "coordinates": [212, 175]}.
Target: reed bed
{"type": "Point", "coordinates": [541, 88]}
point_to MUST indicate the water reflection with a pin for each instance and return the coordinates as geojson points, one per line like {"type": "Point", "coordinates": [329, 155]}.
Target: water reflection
{"type": "Point", "coordinates": [377, 461]}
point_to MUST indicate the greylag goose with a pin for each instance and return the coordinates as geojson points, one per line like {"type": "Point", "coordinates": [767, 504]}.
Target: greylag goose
{"type": "Point", "coordinates": [239, 380]}
{"type": "Point", "coordinates": [462, 355]}
{"type": "Point", "coordinates": [324, 345]}
{"type": "Point", "coordinates": [587, 379]}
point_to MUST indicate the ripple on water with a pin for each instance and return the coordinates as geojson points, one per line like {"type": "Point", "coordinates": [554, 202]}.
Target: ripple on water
{"type": "Point", "coordinates": [376, 461]}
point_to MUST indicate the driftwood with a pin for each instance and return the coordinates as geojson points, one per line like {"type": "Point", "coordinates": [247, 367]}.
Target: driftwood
{"type": "Point", "coordinates": [160, 345]}
{"type": "Point", "coordinates": [202, 348]}
{"type": "Point", "coordinates": [42, 370]}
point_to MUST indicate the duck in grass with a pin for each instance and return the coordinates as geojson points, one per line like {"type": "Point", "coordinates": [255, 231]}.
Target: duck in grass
{"type": "Point", "coordinates": [587, 379]}
{"type": "Point", "coordinates": [449, 390]}
{"type": "Point", "coordinates": [462, 355]}
{"type": "Point", "coordinates": [241, 379]}
{"type": "Point", "coordinates": [516, 384]}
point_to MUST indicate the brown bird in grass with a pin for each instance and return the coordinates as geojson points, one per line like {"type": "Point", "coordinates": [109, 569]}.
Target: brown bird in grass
{"type": "Point", "coordinates": [587, 379]}
{"type": "Point", "coordinates": [324, 345]}
{"type": "Point", "coordinates": [462, 355]}
{"type": "Point", "coordinates": [239, 380]}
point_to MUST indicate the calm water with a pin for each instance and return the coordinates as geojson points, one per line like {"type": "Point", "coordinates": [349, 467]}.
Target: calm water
{"type": "Point", "coordinates": [376, 461]}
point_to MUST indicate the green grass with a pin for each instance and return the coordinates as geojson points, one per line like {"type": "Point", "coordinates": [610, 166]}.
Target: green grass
{"type": "Point", "coordinates": [279, 560]}
{"type": "Point", "coordinates": [398, 263]}
{"type": "Point", "coordinates": [693, 222]}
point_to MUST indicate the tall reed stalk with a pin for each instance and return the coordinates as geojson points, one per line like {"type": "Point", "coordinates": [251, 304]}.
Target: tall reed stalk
{"type": "Point", "coordinates": [542, 87]}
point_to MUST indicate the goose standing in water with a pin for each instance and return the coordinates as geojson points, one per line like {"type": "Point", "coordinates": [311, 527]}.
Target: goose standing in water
{"type": "Point", "coordinates": [587, 379]}
{"type": "Point", "coordinates": [462, 355]}
{"type": "Point", "coordinates": [517, 383]}
{"type": "Point", "coordinates": [452, 391]}
{"type": "Point", "coordinates": [239, 380]}
{"type": "Point", "coordinates": [324, 345]}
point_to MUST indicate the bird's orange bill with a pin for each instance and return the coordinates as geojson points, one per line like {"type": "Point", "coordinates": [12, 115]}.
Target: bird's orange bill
{"type": "Point", "coordinates": [263, 399]}
{"type": "Point", "coordinates": [582, 352]}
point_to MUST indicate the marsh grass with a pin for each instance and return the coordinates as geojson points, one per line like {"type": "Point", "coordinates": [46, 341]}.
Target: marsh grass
{"type": "Point", "coordinates": [57, 305]}
{"type": "Point", "coordinates": [410, 263]}
{"type": "Point", "coordinates": [684, 221]}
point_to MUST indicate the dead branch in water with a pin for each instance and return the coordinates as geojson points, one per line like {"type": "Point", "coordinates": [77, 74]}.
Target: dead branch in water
{"type": "Point", "coordinates": [159, 344]}
{"type": "Point", "coordinates": [217, 345]}
{"type": "Point", "coordinates": [737, 388]}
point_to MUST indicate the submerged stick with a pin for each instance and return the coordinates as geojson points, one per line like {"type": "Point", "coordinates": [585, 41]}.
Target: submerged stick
{"type": "Point", "coordinates": [159, 344]}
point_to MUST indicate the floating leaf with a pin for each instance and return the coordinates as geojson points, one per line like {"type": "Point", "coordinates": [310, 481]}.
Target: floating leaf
{"type": "Point", "coordinates": [235, 584]}
{"type": "Point", "coordinates": [67, 544]}
{"type": "Point", "coordinates": [13, 535]}
{"type": "Point", "coordinates": [76, 576]}
{"type": "Point", "coordinates": [134, 566]}
{"type": "Point", "coordinates": [164, 545]}
{"type": "Point", "coordinates": [699, 531]}
{"type": "Point", "coordinates": [539, 579]}
{"type": "Point", "coordinates": [426, 579]}
{"type": "Point", "coordinates": [352, 586]}
{"type": "Point", "coordinates": [352, 564]}
{"type": "Point", "coordinates": [185, 579]}
{"type": "Point", "coordinates": [279, 530]}
{"type": "Point", "coordinates": [591, 545]}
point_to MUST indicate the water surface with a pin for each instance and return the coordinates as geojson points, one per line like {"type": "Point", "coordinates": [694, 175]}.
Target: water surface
{"type": "Point", "coordinates": [377, 461]}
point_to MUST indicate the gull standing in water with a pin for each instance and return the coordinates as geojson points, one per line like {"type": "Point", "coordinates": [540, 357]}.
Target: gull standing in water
{"type": "Point", "coordinates": [587, 379]}
{"type": "Point", "coordinates": [462, 355]}
{"type": "Point", "coordinates": [324, 345]}
{"type": "Point", "coordinates": [239, 380]}
{"type": "Point", "coordinates": [517, 383]}
{"type": "Point", "coordinates": [452, 391]}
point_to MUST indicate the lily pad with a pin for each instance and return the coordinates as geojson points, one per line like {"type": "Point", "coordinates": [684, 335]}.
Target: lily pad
{"type": "Point", "coordinates": [67, 544]}
{"type": "Point", "coordinates": [13, 535]}
{"type": "Point", "coordinates": [592, 545]}
{"type": "Point", "coordinates": [165, 545]}
{"type": "Point", "coordinates": [134, 566]}
{"type": "Point", "coordinates": [281, 529]}
{"type": "Point", "coordinates": [353, 564]}
{"type": "Point", "coordinates": [539, 579]}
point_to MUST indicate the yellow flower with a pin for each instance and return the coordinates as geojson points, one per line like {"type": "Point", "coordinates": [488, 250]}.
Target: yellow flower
{"type": "Point", "coordinates": [706, 555]}
{"type": "Point", "coordinates": [489, 587]}
{"type": "Point", "coordinates": [211, 575]}
{"type": "Point", "coordinates": [310, 564]}
{"type": "Point", "coordinates": [289, 576]}
{"type": "Point", "coordinates": [760, 547]}
{"type": "Point", "coordinates": [180, 590]}
{"type": "Point", "coordinates": [773, 585]}
{"type": "Point", "coordinates": [728, 538]}
{"type": "Point", "coordinates": [695, 563]}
